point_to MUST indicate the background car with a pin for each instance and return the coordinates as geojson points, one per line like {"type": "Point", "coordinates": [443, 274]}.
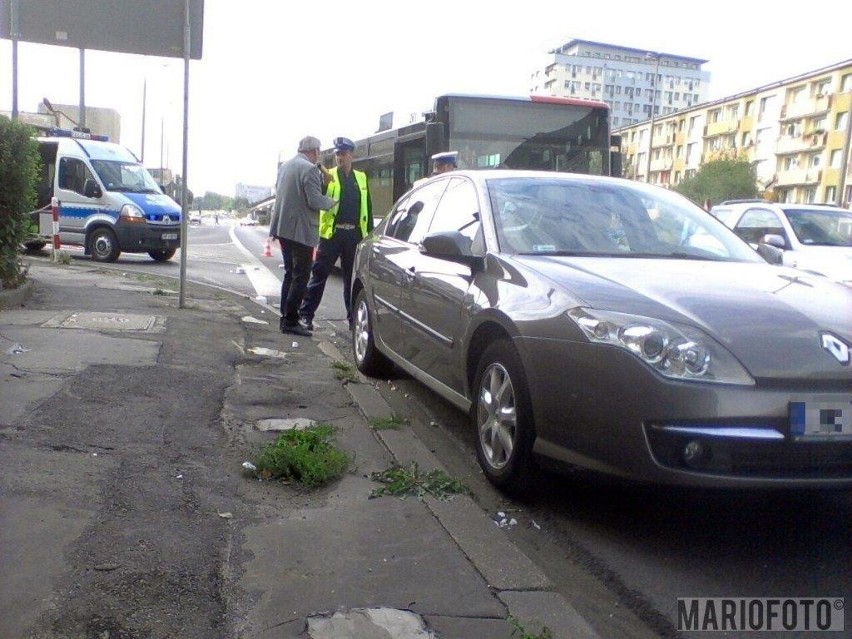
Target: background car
{"type": "Point", "coordinates": [195, 217]}
{"type": "Point", "coordinates": [610, 325]}
{"type": "Point", "coordinates": [814, 237]}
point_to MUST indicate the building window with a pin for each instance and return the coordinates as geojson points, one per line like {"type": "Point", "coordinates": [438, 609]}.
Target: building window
{"type": "Point", "coordinates": [841, 121]}
{"type": "Point", "coordinates": [749, 108]}
{"type": "Point", "coordinates": [846, 83]}
{"type": "Point", "coordinates": [830, 193]}
{"type": "Point", "coordinates": [836, 159]}
{"type": "Point", "coordinates": [791, 162]}
{"type": "Point", "coordinates": [815, 161]}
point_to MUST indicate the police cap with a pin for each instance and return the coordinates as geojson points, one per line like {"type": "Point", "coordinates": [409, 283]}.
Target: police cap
{"type": "Point", "coordinates": [343, 144]}
{"type": "Point", "coordinates": [447, 157]}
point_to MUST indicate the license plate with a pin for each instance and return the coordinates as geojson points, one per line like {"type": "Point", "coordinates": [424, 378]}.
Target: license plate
{"type": "Point", "coordinates": [169, 236]}
{"type": "Point", "coordinates": [821, 417]}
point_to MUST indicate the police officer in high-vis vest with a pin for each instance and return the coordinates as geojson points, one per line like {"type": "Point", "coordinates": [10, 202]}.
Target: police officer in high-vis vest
{"type": "Point", "coordinates": [340, 229]}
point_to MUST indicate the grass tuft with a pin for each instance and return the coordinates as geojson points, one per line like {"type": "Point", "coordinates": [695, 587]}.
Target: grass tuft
{"type": "Point", "coordinates": [345, 372]}
{"type": "Point", "coordinates": [400, 482]}
{"type": "Point", "coordinates": [521, 633]}
{"type": "Point", "coordinates": [386, 423]}
{"type": "Point", "coordinates": [304, 456]}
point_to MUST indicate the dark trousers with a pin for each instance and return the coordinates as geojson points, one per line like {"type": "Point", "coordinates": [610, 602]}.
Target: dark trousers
{"type": "Point", "coordinates": [297, 270]}
{"type": "Point", "coordinates": [341, 245]}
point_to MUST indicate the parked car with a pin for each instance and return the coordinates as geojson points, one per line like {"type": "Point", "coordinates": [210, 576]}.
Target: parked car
{"type": "Point", "coordinates": [610, 325]}
{"type": "Point", "coordinates": [813, 237]}
{"type": "Point", "coordinates": [195, 217]}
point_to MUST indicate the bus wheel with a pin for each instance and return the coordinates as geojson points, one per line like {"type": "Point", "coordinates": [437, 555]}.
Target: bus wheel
{"type": "Point", "coordinates": [162, 256]}
{"type": "Point", "coordinates": [103, 245]}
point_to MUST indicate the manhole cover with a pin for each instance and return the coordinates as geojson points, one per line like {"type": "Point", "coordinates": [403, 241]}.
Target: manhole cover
{"type": "Point", "coordinates": [106, 321]}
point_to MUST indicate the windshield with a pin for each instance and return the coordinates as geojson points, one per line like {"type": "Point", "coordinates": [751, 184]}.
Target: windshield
{"type": "Point", "coordinates": [821, 227]}
{"type": "Point", "coordinates": [516, 134]}
{"type": "Point", "coordinates": [542, 215]}
{"type": "Point", "coordinates": [125, 176]}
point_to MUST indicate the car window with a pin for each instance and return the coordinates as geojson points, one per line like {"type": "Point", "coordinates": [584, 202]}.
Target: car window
{"type": "Point", "coordinates": [73, 174]}
{"type": "Point", "coordinates": [727, 216]}
{"type": "Point", "coordinates": [412, 215]}
{"type": "Point", "coordinates": [821, 227]}
{"type": "Point", "coordinates": [755, 223]}
{"type": "Point", "coordinates": [458, 210]}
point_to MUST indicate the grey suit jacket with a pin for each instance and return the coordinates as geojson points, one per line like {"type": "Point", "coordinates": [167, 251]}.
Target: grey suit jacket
{"type": "Point", "coordinates": [298, 200]}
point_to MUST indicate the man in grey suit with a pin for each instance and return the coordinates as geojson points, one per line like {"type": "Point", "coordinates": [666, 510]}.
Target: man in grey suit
{"type": "Point", "coordinates": [295, 224]}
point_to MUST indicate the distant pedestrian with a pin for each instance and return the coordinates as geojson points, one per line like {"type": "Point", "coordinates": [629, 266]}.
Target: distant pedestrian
{"type": "Point", "coordinates": [441, 163]}
{"type": "Point", "coordinates": [295, 221]}
{"type": "Point", "coordinates": [341, 227]}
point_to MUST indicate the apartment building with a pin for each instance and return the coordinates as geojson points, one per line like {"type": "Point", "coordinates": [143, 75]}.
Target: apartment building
{"type": "Point", "coordinates": [796, 132]}
{"type": "Point", "coordinates": [636, 83]}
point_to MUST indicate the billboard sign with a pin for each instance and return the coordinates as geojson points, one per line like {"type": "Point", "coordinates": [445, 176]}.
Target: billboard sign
{"type": "Point", "coordinates": [145, 27]}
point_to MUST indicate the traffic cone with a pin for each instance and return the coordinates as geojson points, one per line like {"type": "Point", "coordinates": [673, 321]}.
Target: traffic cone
{"type": "Point", "coordinates": [267, 251]}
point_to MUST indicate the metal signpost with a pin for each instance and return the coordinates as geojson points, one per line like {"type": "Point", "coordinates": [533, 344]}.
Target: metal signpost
{"type": "Point", "coordinates": [168, 28]}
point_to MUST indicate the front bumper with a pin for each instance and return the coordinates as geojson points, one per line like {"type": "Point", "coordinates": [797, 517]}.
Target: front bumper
{"type": "Point", "coordinates": [638, 424]}
{"type": "Point", "coordinates": [141, 238]}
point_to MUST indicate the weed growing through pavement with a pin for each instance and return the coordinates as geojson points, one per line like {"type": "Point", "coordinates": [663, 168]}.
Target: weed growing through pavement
{"type": "Point", "coordinates": [400, 482]}
{"type": "Point", "coordinates": [386, 423]}
{"type": "Point", "coordinates": [521, 633]}
{"type": "Point", "coordinates": [345, 372]}
{"type": "Point", "coordinates": [305, 456]}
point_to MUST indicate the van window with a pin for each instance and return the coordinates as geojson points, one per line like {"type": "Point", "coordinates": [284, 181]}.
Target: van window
{"type": "Point", "coordinates": [73, 174]}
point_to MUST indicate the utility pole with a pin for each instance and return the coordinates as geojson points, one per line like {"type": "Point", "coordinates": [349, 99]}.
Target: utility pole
{"type": "Point", "coordinates": [844, 165]}
{"type": "Point", "coordinates": [656, 57]}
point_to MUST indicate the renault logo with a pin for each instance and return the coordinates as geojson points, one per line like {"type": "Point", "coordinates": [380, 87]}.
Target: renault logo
{"type": "Point", "coordinates": [836, 347]}
{"type": "Point", "coordinates": [166, 219]}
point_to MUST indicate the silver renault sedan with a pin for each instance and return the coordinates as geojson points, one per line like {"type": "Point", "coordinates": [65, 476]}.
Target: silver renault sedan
{"type": "Point", "coordinates": [609, 325]}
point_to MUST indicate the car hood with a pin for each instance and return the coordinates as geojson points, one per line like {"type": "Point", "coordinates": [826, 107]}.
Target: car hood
{"type": "Point", "coordinates": [835, 262]}
{"type": "Point", "coordinates": [769, 317]}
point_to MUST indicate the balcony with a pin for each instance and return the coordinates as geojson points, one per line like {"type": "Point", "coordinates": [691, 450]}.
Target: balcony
{"type": "Point", "coordinates": [718, 128]}
{"type": "Point", "coordinates": [794, 177]}
{"type": "Point", "coordinates": [662, 164]}
{"type": "Point", "coordinates": [810, 106]}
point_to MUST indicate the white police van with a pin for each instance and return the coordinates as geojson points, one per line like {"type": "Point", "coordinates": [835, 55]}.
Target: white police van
{"type": "Point", "coordinates": [108, 202]}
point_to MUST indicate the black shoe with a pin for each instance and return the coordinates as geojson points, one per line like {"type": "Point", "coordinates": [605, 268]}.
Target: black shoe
{"type": "Point", "coordinates": [296, 329]}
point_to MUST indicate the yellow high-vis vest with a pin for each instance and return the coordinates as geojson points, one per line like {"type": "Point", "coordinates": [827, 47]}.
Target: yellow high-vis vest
{"type": "Point", "coordinates": [326, 223]}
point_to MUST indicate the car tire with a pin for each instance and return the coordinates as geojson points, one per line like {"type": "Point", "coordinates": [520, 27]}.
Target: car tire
{"type": "Point", "coordinates": [367, 357]}
{"type": "Point", "coordinates": [103, 245]}
{"type": "Point", "coordinates": [502, 416]}
{"type": "Point", "coordinates": [162, 256]}
{"type": "Point", "coordinates": [34, 247]}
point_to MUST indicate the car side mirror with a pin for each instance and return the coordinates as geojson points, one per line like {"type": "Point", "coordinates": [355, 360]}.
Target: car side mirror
{"type": "Point", "coordinates": [770, 253]}
{"type": "Point", "coordinates": [452, 246]}
{"type": "Point", "coordinates": [775, 240]}
{"type": "Point", "coordinates": [92, 189]}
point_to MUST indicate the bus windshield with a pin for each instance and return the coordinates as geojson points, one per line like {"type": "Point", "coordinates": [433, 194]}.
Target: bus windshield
{"type": "Point", "coordinates": [529, 135]}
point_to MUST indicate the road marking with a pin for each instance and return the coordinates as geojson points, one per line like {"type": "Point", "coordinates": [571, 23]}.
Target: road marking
{"type": "Point", "coordinates": [264, 282]}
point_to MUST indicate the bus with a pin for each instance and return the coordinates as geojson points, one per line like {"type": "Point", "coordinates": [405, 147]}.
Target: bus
{"type": "Point", "coordinates": [532, 132]}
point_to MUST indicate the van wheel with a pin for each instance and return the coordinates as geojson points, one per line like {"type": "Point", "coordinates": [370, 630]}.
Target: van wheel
{"type": "Point", "coordinates": [103, 245]}
{"type": "Point", "coordinates": [162, 256]}
{"type": "Point", "coordinates": [34, 246]}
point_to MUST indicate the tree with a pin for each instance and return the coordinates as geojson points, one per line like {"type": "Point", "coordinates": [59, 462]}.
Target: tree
{"type": "Point", "coordinates": [19, 166]}
{"type": "Point", "coordinates": [718, 180]}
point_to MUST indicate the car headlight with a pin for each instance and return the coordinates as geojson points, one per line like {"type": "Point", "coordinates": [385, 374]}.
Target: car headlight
{"type": "Point", "coordinates": [675, 351]}
{"type": "Point", "coordinates": [132, 214]}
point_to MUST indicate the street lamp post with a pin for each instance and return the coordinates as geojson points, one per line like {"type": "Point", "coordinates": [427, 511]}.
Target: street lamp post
{"type": "Point", "coordinates": [656, 57]}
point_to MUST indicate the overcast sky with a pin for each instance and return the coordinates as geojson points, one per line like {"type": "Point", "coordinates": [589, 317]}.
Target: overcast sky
{"type": "Point", "coordinates": [274, 71]}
